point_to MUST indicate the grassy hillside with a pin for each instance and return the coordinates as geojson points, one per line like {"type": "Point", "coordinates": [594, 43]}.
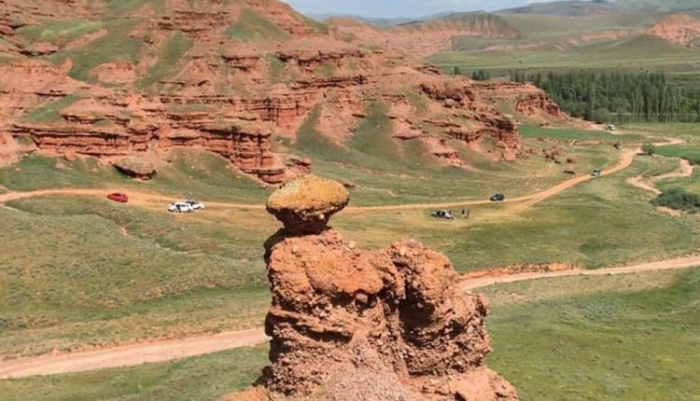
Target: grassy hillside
{"type": "Point", "coordinates": [253, 27]}
{"type": "Point", "coordinates": [664, 5]}
{"type": "Point", "coordinates": [567, 8]}
{"type": "Point", "coordinates": [634, 53]}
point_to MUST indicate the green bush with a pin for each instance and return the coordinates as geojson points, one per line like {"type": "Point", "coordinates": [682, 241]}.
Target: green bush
{"type": "Point", "coordinates": [649, 149]}
{"type": "Point", "coordinates": [678, 199]}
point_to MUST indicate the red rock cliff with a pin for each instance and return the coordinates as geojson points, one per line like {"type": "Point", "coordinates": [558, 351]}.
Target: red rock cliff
{"type": "Point", "coordinates": [231, 91]}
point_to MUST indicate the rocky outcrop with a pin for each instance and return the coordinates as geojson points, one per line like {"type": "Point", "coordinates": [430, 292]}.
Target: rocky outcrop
{"type": "Point", "coordinates": [235, 96]}
{"type": "Point", "coordinates": [681, 29]}
{"type": "Point", "coordinates": [529, 100]}
{"type": "Point", "coordinates": [136, 167]}
{"type": "Point", "coordinates": [379, 325]}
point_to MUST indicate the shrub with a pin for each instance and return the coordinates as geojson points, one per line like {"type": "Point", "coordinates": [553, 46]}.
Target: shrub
{"type": "Point", "coordinates": [678, 199]}
{"type": "Point", "coordinates": [649, 148]}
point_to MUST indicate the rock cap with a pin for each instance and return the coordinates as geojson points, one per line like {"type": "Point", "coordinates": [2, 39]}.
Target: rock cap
{"type": "Point", "coordinates": [306, 203]}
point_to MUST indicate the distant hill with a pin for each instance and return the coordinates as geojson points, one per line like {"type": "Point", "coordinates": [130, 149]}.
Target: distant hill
{"type": "Point", "coordinates": [567, 8]}
{"type": "Point", "coordinates": [424, 38]}
{"type": "Point", "coordinates": [660, 5]}
{"type": "Point", "coordinates": [378, 21]}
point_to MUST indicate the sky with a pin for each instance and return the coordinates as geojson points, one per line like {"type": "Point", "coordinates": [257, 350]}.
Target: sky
{"type": "Point", "coordinates": [401, 8]}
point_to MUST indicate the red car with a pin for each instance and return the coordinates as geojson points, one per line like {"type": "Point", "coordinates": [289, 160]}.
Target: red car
{"type": "Point", "coordinates": [118, 197]}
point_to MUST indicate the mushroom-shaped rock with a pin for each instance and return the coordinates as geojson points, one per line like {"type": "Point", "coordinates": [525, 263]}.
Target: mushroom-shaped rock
{"type": "Point", "coordinates": [305, 204]}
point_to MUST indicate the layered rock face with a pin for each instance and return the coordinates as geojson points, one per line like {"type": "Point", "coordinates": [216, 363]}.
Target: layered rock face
{"type": "Point", "coordinates": [681, 29]}
{"type": "Point", "coordinates": [349, 324]}
{"type": "Point", "coordinates": [232, 89]}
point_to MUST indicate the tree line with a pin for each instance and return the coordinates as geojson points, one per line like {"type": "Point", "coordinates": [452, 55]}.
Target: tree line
{"type": "Point", "coordinates": [618, 96]}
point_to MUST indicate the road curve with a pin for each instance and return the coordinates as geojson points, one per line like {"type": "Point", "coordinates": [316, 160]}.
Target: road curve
{"type": "Point", "coordinates": [160, 351]}
{"type": "Point", "coordinates": [136, 197]}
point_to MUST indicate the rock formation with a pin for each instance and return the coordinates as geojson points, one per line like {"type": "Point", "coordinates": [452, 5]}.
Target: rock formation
{"type": "Point", "coordinates": [681, 29]}
{"type": "Point", "coordinates": [230, 89]}
{"type": "Point", "coordinates": [349, 324]}
{"type": "Point", "coordinates": [136, 167]}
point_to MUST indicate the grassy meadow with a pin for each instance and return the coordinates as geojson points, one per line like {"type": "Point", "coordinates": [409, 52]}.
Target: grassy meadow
{"type": "Point", "coordinates": [108, 273]}
{"type": "Point", "coordinates": [599, 338]}
{"type": "Point", "coordinates": [579, 338]}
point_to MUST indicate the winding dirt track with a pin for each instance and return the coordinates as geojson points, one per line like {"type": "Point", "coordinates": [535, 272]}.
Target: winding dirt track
{"type": "Point", "coordinates": [137, 198]}
{"type": "Point", "coordinates": [160, 351]}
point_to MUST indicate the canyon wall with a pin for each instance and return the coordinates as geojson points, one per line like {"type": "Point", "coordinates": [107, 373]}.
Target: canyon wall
{"type": "Point", "coordinates": [232, 92]}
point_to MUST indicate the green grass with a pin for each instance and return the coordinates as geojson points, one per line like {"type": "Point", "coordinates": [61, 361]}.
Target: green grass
{"type": "Point", "coordinates": [79, 271]}
{"type": "Point", "coordinates": [620, 344]}
{"type": "Point", "coordinates": [49, 112]}
{"type": "Point", "coordinates": [116, 45]}
{"type": "Point", "coordinates": [389, 171]}
{"type": "Point", "coordinates": [123, 6]}
{"type": "Point", "coordinates": [577, 338]}
{"type": "Point", "coordinates": [689, 152]}
{"type": "Point", "coordinates": [169, 59]}
{"type": "Point", "coordinates": [541, 27]}
{"type": "Point", "coordinates": [253, 27]}
{"type": "Point", "coordinates": [589, 225]}
{"type": "Point", "coordinates": [556, 55]}
{"type": "Point", "coordinates": [204, 378]}
{"type": "Point", "coordinates": [276, 69]}
{"type": "Point", "coordinates": [529, 131]}
{"type": "Point", "coordinates": [195, 174]}
{"type": "Point", "coordinates": [689, 132]}
{"type": "Point", "coordinates": [59, 32]}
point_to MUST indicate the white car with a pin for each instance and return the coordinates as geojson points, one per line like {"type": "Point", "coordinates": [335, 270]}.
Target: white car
{"type": "Point", "coordinates": [180, 207]}
{"type": "Point", "coordinates": [195, 205]}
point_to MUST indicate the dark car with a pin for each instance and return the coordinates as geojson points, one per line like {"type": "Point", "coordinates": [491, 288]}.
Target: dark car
{"type": "Point", "coordinates": [442, 214]}
{"type": "Point", "coordinates": [498, 198]}
{"type": "Point", "coordinates": [118, 197]}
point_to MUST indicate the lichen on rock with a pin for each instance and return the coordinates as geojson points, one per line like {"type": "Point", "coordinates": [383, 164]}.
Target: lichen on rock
{"type": "Point", "coordinates": [305, 204]}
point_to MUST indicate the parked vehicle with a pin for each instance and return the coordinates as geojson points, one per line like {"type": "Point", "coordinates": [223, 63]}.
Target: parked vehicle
{"type": "Point", "coordinates": [597, 173]}
{"type": "Point", "coordinates": [442, 214]}
{"type": "Point", "coordinates": [180, 207]}
{"type": "Point", "coordinates": [118, 197]}
{"type": "Point", "coordinates": [497, 198]}
{"type": "Point", "coordinates": [195, 205]}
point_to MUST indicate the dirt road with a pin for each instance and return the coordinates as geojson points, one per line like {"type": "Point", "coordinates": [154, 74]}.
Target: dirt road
{"type": "Point", "coordinates": [671, 264]}
{"type": "Point", "coordinates": [135, 197]}
{"type": "Point", "coordinates": [686, 170]}
{"type": "Point", "coordinates": [159, 351]}
{"type": "Point", "coordinates": [141, 198]}
{"type": "Point", "coordinates": [130, 355]}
